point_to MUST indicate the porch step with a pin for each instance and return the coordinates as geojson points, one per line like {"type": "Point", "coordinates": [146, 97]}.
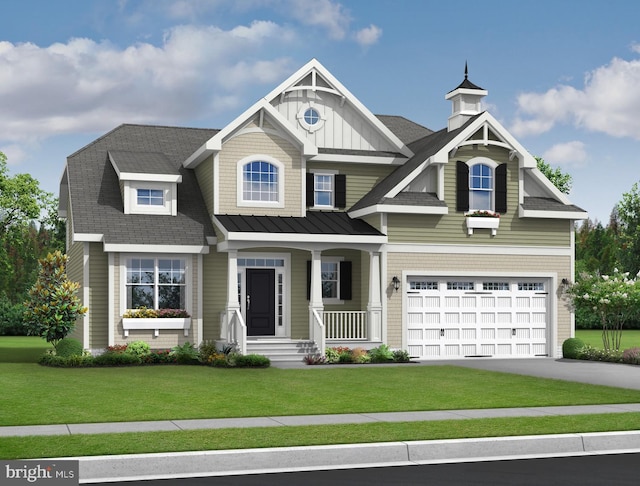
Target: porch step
{"type": "Point", "coordinates": [282, 349]}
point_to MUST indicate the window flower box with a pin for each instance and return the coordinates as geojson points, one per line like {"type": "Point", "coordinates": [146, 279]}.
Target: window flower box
{"type": "Point", "coordinates": [483, 220]}
{"type": "Point", "coordinates": [146, 319]}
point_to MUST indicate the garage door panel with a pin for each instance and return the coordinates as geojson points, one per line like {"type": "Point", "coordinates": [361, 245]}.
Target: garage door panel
{"type": "Point", "coordinates": [472, 317]}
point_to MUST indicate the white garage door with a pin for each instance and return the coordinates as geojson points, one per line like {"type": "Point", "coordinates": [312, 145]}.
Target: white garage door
{"type": "Point", "coordinates": [463, 317]}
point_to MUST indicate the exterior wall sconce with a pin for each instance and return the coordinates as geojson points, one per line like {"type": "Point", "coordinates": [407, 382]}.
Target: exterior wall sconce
{"type": "Point", "coordinates": [396, 283]}
{"type": "Point", "coordinates": [565, 284]}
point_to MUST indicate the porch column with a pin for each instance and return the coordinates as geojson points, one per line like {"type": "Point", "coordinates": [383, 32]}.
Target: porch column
{"type": "Point", "coordinates": [316, 320]}
{"type": "Point", "coordinates": [374, 306]}
{"type": "Point", "coordinates": [233, 331]}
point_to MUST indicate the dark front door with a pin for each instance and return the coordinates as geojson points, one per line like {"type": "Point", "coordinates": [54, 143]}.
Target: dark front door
{"type": "Point", "coordinates": [260, 305]}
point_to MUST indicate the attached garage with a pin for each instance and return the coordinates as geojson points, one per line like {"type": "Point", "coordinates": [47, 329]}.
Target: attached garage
{"type": "Point", "coordinates": [457, 317]}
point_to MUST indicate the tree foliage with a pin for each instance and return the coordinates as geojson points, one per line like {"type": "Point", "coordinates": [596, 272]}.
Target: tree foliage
{"type": "Point", "coordinates": [628, 214]}
{"type": "Point", "coordinates": [53, 305]}
{"type": "Point", "coordinates": [558, 178]}
{"type": "Point", "coordinates": [614, 298]}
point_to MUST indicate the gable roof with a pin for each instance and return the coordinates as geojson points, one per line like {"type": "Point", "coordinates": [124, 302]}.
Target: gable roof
{"type": "Point", "coordinates": [96, 200]}
{"type": "Point", "coordinates": [406, 130]}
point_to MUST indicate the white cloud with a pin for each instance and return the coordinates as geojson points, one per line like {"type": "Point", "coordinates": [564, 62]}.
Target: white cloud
{"type": "Point", "coordinates": [569, 154]}
{"type": "Point", "coordinates": [608, 103]}
{"type": "Point", "coordinates": [15, 154]}
{"type": "Point", "coordinates": [322, 13]}
{"type": "Point", "coordinates": [83, 85]}
{"type": "Point", "coordinates": [368, 36]}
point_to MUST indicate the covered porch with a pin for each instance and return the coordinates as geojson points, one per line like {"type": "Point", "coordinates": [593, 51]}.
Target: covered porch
{"type": "Point", "coordinates": [268, 304]}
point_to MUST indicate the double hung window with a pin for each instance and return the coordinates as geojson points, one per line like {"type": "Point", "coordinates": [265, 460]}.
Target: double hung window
{"type": "Point", "coordinates": [156, 283]}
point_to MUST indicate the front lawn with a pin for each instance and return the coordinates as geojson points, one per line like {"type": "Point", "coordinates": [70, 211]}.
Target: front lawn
{"type": "Point", "coordinates": [22, 349]}
{"type": "Point", "coordinates": [593, 337]}
{"type": "Point", "coordinates": [33, 394]}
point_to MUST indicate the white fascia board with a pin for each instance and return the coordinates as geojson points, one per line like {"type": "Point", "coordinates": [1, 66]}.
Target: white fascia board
{"type": "Point", "coordinates": [396, 209]}
{"type": "Point", "coordinates": [88, 237]}
{"type": "Point", "coordinates": [366, 159]}
{"type": "Point", "coordinates": [314, 64]}
{"type": "Point", "coordinates": [199, 155]}
{"type": "Point", "coordinates": [308, 148]}
{"type": "Point", "coordinates": [135, 176]}
{"type": "Point", "coordinates": [410, 177]}
{"type": "Point", "coordinates": [480, 249]}
{"type": "Point", "coordinates": [553, 190]}
{"type": "Point", "coordinates": [182, 249]}
{"type": "Point", "coordinates": [475, 92]}
{"type": "Point", "coordinates": [536, 213]}
{"type": "Point", "coordinates": [293, 238]}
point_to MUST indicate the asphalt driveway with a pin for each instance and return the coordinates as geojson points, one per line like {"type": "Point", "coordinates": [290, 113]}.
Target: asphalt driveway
{"type": "Point", "coordinates": [591, 372]}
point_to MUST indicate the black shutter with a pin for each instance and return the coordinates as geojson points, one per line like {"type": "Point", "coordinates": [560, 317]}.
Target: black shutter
{"type": "Point", "coordinates": [501, 189]}
{"type": "Point", "coordinates": [310, 189]}
{"type": "Point", "coordinates": [462, 186]}
{"type": "Point", "coordinates": [340, 181]}
{"type": "Point", "coordinates": [345, 280]}
{"type": "Point", "coordinates": [308, 279]}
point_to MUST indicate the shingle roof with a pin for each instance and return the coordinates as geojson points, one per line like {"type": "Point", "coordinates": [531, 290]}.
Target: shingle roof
{"type": "Point", "coordinates": [404, 129]}
{"type": "Point", "coordinates": [548, 204]}
{"type": "Point", "coordinates": [332, 223]}
{"type": "Point", "coordinates": [96, 201]}
{"type": "Point", "coordinates": [143, 162]}
{"type": "Point", "coordinates": [423, 149]}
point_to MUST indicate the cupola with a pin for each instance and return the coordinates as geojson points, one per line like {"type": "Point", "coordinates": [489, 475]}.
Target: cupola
{"type": "Point", "coordinates": [465, 101]}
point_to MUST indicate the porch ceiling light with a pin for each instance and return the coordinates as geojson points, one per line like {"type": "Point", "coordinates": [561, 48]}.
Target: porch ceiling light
{"type": "Point", "coordinates": [396, 283]}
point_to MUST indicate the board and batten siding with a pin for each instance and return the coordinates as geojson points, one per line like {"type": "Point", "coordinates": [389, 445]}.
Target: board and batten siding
{"type": "Point", "coordinates": [460, 264]}
{"type": "Point", "coordinates": [360, 177]}
{"type": "Point", "coordinates": [259, 143]}
{"type": "Point", "coordinates": [343, 127]}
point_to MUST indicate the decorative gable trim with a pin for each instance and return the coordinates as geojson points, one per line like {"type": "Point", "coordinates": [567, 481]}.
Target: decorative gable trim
{"type": "Point", "coordinates": [313, 68]}
{"type": "Point", "coordinates": [263, 109]}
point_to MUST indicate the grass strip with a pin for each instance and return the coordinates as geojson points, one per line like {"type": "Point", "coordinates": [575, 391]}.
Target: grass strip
{"type": "Point", "coordinates": [242, 438]}
{"type": "Point", "coordinates": [33, 394]}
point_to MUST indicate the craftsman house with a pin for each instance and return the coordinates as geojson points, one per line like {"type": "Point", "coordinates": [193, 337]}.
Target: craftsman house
{"type": "Point", "coordinates": [309, 222]}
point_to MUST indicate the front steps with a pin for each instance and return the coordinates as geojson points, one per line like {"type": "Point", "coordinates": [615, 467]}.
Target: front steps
{"type": "Point", "coordinates": [281, 349]}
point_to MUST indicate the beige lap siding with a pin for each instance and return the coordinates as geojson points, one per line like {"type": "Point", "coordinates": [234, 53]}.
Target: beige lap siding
{"type": "Point", "coordinates": [514, 265]}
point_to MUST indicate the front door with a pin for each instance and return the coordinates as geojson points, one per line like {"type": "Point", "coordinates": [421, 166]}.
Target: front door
{"type": "Point", "coordinates": [260, 304]}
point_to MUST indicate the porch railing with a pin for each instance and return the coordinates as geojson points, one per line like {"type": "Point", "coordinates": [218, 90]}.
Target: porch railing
{"type": "Point", "coordinates": [237, 331]}
{"type": "Point", "coordinates": [346, 325]}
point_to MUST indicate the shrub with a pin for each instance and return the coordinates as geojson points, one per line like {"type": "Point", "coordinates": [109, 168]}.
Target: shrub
{"type": "Point", "coordinates": [332, 355]}
{"type": "Point", "coordinates": [11, 318]}
{"type": "Point", "coordinates": [381, 354]}
{"type": "Point", "coordinates": [57, 361]}
{"type": "Point", "coordinates": [360, 356]}
{"type": "Point", "coordinates": [401, 356]}
{"type": "Point", "coordinates": [571, 348]}
{"type": "Point", "coordinates": [138, 348]}
{"type": "Point", "coordinates": [206, 350]}
{"type": "Point", "coordinates": [185, 354]}
{"type": "Point", "coordinates": [117, 348]}
{"type": "Point", "coordinates": [315, 359]}
{"type": "Point", "coordinates": [69, 347]}
{"type": "Point", "coordinates": [631, 356]}
{"type": "Point", "coordinates": [252, 361]}
{"type": "Point", "coordinates": [158, 356]}
{"type": "Point", "coordinates": [594, 354]}
{"type": "Point", "coordinates": [117, 359]}
{"type": "Point", "coordinates": [217, 359]}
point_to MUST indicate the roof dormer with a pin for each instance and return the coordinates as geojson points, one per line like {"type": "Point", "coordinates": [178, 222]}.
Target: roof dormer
{"type": "Point", "coordinates": [148, 182]}
{"type": "Point", "coordinates": [466, 101]}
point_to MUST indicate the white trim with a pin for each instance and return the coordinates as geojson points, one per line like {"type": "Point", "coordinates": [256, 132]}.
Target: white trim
{"type": "Point", "coordinates": [169, 195]}
{"type": "Point", "coordinates": [86, 295]}
{"type": "Point", "coordinates": [324, 172]}
{"type": "Point", "coordinates": [303, 123]}
{"type": "Point", "coordinates": [135, 176]}
{"type": "Point", "coordinates": [88, 237]}
{"type": "Point", "coordinates": [180, 249]}
{"type": "Point", "coordinates": [111, 279]}
{"type": "Point", "coordinates": [240, 164]}
{"type": "Point", "coordinates": [398, 209]}
{"type": "Point", "coordinates": [480, 249]}
{"type": "Point", "coordinates": [536, 174]}
{"type": "Point", "coordinates": [199, 296]}
{"type": "Point", "coordinates": [355, 159]}
{"type": "Point", "coordinates": [536, 213]}
{"type": "Point", "coordinates": [216, 179]}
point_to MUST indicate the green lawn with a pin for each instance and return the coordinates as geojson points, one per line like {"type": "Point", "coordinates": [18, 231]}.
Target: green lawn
{"type": "Point", "coordinates": [32, 394]}
{"type": "Point", "coordinates": [22, 349]}
{"type": "Point", "coordinates": [630, 338]}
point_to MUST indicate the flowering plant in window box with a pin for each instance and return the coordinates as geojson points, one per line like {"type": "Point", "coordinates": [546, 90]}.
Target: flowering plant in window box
{"type": "Point", "coordinates": [482, 214]}
{"type": "Point", "coordinates": [143, 318]}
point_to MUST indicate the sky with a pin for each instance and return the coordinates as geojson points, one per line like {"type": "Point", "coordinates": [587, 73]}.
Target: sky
{"type": "Point", "coordinates": [562, 76]}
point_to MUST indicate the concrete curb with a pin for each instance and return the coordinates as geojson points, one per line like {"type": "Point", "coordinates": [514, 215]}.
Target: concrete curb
{"type": "Point", "coordinates": [99, 469]}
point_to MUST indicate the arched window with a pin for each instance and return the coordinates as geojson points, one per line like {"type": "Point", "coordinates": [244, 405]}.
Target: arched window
{"type": "Point", "coordinates": [260, 182]}
{"type": "Point", "coordinates": [481, 187]}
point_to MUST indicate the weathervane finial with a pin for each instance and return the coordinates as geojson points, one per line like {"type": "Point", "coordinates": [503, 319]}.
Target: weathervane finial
{"type": "Point", "coordinates": [466, 70]}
